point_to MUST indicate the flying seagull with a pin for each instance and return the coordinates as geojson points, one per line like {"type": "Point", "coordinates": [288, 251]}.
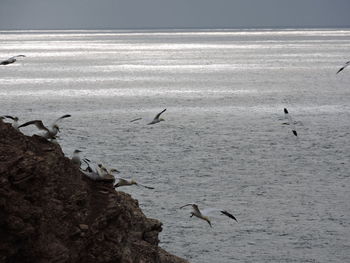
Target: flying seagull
{"type": "Point", "coordinates": [290, 121]}
{"type": "Point", "coordinates": [203, 214]}
{"type": "Point", "coordinates": [15, 123]}
{"type": "Point", "coordinates": [10, 60]}
{"type": "Point", "coordinates": [124, 182]}
{"type": "Point", "coordinates": [343, 67]}
{"type": "Point", "coordinates": [157, 119]}
{"type": "Point", "coordinates": [48, 132]}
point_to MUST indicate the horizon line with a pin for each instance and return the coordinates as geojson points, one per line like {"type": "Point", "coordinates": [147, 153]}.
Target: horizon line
{"type": "Point", "coordinates": [177, 28]}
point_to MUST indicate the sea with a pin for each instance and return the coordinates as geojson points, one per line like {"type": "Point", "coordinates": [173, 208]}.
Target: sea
{"type": "Point", "coordinates": [224, 142]}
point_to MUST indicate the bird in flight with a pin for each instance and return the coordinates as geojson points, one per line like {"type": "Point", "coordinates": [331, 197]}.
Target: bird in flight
{"type": "Point", "coordinates": [157, 119]}
{"type": "Point", "coordinates": [47, 132]}
{"type": "Point", "coordinates": [204, 214]}
{"type": "Point", "coordinates": [290, 121]}
{"type": "Point", "coordinates": [11, 60]}
{"type": "Point", "coordinates": [343, 67]}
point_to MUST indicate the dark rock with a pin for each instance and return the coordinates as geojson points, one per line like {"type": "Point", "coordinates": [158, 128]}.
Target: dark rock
{"type": "Point", "coordinates": [50, 212]}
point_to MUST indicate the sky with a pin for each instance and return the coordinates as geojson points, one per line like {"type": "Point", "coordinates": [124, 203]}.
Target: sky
{"type": "Point", "coordinates": [139, 14]}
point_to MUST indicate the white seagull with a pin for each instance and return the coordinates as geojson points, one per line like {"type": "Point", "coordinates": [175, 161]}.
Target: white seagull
{"type": "Point", "coordinates": [157, 119]}
{"type": "Point", "coordinates": [10, 60]}
{"type": "Point", "coordinates": [290, 121]}
{"type": "Point", "coordinates": [48, 132]}
{"type": "Point", "coordinates": [15, 123]}
{"type": "Point", "coordinates": [343, 67]}
{"type": "Point", "coordinates": [204, 214]}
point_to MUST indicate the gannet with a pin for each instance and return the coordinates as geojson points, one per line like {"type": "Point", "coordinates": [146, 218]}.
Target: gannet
{"type": "Point", "coordinates": [76, 158]}
{"type": "Point", "coordinates": [343, 67]}
{"type": "Point", "coordinates": [290, 121]}
{"type": "Point", "coordinates": [15, 123]}
{"type": "Point", "coordinates": [157, 119]}
{"type": "Point", "coordinates": [124, 182]}
{"type": "Point", "coordinates": [48, 132]}
{"type": "Point", "coordinates": [205, 212]}
{"type": "Point", "coordinates": [10, 60]}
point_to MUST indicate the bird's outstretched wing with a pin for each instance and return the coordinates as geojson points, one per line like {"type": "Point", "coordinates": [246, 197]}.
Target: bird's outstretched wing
{"type": "Point", "coordinates": [186, 205]}
{"type": "Point", "coordinates": [158, 115]}
{"type": "Point", "coordinates": [148, 187]}
{"type": "Point", "coordinates": [10, 117]}
{"type": "Point", "coordinates": [343, 67]}
{"type": "Point", "coordinates": [210, 211]}
{"type": "Point", "coordinates": [60, 118]}
{"type": "Point", "coordinates": [17, 56]}
{"type": "Point", "coordinates": [38, 123]}
{"type": "Point", "coordinates": [136, 119]}
{"type": "Point", "coordinates": [194, 207]}
{"type": "Point", "coordinates": [228, 214]}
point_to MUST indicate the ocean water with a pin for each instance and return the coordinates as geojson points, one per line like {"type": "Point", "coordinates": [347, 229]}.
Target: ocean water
{"type": "Point", "coordinates": [222, 143]}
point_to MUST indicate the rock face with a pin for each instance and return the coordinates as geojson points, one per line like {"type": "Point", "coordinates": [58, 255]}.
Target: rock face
{"type": "Point", "coordinates": [50, 212]}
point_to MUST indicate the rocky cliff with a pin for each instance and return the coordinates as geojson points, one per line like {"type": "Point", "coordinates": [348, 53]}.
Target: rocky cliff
{"type": "Point", "coordinates": [50, 212]}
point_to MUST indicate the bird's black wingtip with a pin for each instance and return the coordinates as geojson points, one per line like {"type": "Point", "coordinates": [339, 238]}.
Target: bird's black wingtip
{"type": "Point", "coordinates": [295, 133]}
{"type": "Point", "coordinates": [285, 110]}
{"type": "Point", "coordinates": [229, 215]}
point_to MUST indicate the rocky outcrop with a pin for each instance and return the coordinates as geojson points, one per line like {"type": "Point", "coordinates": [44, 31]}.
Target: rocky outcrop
{"type": "Point", "coordinates": [50, 212]}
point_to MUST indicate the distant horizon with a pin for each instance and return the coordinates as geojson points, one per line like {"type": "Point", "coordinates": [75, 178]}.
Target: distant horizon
{"type": "Point", "coordinates": [178, 28]}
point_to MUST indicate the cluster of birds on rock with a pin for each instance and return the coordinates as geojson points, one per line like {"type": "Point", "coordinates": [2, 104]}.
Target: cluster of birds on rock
{"type": "Point", "coordinates": [99, 172]}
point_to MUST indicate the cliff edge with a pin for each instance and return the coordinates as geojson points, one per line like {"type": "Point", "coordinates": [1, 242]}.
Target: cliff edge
{"type": "Point", "coordinates": [50, 212]}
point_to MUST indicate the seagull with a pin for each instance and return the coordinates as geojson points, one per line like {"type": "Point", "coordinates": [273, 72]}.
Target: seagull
{"type": "Point", "coordinates": [124, 182]}
{"type": "Point", "coordinates": [15, 123]}
{"type": "Point", "coordinates": [157, 119]}
{"type": "Point", "coordinates": [290, 121]}
{"type": "Point", "coordinates": [76, 158]}
{"type": "Point", "coordinates": [10, 60]}
{"type": "Point", "coordinates": [205, 212]}
{"type": "Point", "coordinates": [48, 132]}
{"type": "Point", "coordinates": [343, 67]}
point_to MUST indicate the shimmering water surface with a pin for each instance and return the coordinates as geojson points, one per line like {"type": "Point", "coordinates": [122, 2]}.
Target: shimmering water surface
{"type": "Point", "coordinates": [222, 143]}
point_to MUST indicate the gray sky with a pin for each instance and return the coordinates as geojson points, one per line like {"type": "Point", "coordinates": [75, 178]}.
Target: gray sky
{"type": "Point", "coordinates": [125, 14]}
